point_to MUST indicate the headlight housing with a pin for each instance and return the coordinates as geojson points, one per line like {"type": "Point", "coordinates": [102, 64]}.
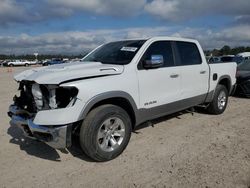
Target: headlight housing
{"type": "Point", "coordinates": [34, 97]}
{"type": "Point", "coordinates": [55, 97]}
{"type": "Point", "coordinates": [37, 95]}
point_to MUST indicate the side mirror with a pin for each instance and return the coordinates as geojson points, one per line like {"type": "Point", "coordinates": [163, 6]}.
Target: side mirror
{"type": "Point", "coordinates": [156, 61]}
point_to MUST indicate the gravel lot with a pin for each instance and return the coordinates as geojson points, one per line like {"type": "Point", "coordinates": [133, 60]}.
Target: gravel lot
{"type": "Point", "coordinates": [182, 150]}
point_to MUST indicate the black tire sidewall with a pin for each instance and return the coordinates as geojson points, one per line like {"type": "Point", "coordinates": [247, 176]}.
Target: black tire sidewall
{"type": "Point", "coordinates": [216, 109]}
{"type": "Point", "coordinates": [90, 128]}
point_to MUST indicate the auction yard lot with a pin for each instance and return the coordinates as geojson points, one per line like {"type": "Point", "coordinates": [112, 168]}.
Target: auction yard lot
{"type": "Point", "coordinates": [182, 150]}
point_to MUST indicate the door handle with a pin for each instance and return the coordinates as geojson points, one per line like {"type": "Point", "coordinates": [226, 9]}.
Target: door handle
{"type": "Point", "coordinates": [174, 75]}
{"type": "Point", "coordinates": [203, 72]}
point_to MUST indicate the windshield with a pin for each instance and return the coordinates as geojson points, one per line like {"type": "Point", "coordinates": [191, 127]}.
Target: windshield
{"type": "Point", "coordinates": [244, 66]}
{"type": "Point", "coordinates": [121, 52]}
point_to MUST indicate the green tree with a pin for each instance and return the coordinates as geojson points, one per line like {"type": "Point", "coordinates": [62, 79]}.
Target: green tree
{"type": "Point", "coordinates": [226, 50]}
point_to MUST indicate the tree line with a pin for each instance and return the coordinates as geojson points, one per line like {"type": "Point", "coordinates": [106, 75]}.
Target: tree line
{"type": "Point", "coordinates": [227, 50]}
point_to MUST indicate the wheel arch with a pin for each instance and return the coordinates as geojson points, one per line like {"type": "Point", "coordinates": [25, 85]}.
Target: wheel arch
{"type": "Point", "coordinates": [223, 80]}
{"type": "Point", "coordinates": [118, 98]}
{"type": "Point", "coordinates": [226, 81]}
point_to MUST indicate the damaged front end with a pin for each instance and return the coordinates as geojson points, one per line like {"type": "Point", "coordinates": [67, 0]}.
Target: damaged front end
{"type": "Point", "coordinates": [38, 100]}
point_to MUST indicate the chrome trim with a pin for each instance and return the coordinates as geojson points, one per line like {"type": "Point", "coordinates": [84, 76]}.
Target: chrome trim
{"type": "Point", "coordinates": [60, 136]}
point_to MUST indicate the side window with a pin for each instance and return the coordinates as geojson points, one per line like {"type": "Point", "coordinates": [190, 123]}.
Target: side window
{"type": "Point", "coordinates": [163, 48]}
{"type": "Point", "coordinates": [189, 53]}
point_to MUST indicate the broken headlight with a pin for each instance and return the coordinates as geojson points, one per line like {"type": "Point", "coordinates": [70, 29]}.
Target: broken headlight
{"type": "Point", "coordinates": [55, 97]}
{"type": "Point", "coordinates": [34, 97]}
{"type": "Point", "coordinates": [37, 95]}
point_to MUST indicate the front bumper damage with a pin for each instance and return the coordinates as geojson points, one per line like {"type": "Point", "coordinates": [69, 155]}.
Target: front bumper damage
{"type": "Point", "coordinates": [58, 136]}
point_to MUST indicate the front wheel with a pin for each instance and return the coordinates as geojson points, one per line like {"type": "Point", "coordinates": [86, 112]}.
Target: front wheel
{"type": "Point", "coordinates": [220, 100]}
{"type": "Point", "coordinates": [105, 132]}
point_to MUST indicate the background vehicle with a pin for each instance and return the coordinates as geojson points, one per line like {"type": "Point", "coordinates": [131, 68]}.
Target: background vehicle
{"type": "Point", "coordinates": [214, 60]}
{"type": "Point", "coordinates": [5, 63]}
{"type": "Point", "coordinates": [232, 58]}
{"type": "Point", "coordinates": [12, 63]}
{"type": "Point", "coordinates": [226, 59]}
{"type": "Point", "coordinates": [243, 79]}
{"type": "Point", "coordinates": [245, 55]}
{"type": "Point", "coordinates": [53, 61]}
{"type": "Point", "coordinates": [116, 87]}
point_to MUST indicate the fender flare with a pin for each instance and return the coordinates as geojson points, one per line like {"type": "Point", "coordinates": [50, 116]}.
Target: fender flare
{"type": "Point", "coordinates": [211, 94]}
{"type": "Point", "coordinates": [108, 95]}
{"type": "Point", "coordinates": [230, 82]}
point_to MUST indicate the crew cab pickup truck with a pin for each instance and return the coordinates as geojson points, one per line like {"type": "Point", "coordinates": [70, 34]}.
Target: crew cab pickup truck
{"type": "Point", "coordinates": [116, 87]}
{"type": "Point", "coordinates": [19, 63]}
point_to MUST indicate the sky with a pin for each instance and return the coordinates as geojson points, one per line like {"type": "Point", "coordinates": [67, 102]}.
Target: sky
{"type": "Point", "coordinates": [77, 26]}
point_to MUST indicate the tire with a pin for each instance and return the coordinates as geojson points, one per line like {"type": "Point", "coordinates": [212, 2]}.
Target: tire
{"type": "Point", "coordinates": [11, 65]}
{"type": "Point", "coordinates": [26, 65]}
{"type": "Point", "coordinates": [97, 128]}
{"type": "Point", "coordinates": [220, 100]}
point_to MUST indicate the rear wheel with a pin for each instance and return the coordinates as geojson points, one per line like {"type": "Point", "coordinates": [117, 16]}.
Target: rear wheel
{"type": "Point", "coordinates": [11, 65]}
{"type": "Point", "coordinates": [220, 100]}
{"type": "Point", "coordinates": [105, 132]}
{"type": "Point", "coordinates": [26, 65]}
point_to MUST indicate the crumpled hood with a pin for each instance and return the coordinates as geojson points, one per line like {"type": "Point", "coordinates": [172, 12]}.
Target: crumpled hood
{"type": "Point", "coordinates": [57, 74]}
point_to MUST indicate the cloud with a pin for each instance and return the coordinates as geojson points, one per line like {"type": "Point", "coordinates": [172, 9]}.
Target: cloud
{"type": "Point", "coordinates": [245, 19]}
{"type": "Point", "coordinates": [72, 42]}
{"type": "Point", "coordinates": [79, 42]}
{"type": "Point", "coordinates": [10, 11]}
{"type": "Point", "coordinates": [210, 39]}
{"type": "Point", "coordinates": [28, 11]}
{"type": "Point", "coordinates": [180, 10]}
{"type": "Point", "coordinates": [108, 7]}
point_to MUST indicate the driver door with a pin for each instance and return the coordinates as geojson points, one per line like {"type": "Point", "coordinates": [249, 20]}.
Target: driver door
{"type": "Point", "coordinates": [159, 86]}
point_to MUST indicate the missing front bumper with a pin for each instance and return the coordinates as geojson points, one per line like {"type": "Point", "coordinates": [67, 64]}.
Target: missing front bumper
{"type": "Point", "coordinates": [58, 137]}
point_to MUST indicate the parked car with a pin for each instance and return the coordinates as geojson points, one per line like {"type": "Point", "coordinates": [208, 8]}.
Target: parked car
{"type": "Point", "coordinates": [1, 62]}
{"type": "Point", "coordinates": [13, 63]}
{"type": "Point", "coordinates": [243, 79]}
{"type": "Point", "coordinates": [227, 58]}
{"type": "Point", "coordinates": [115, 88]}
{"type": "Point", "coordinates": [54, 61]}
{"type": "Point", "coordinates": [4, 63]}
{"type": "Point", "coordinates": [214, 60]}
{"type": "Point", "coordinates": [231, 58]}
{"type": "Point", "coordinates": [245, 55]}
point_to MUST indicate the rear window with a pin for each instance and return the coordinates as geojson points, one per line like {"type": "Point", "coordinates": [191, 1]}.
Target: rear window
{"type": "Point", "coordinates": [189, 53]}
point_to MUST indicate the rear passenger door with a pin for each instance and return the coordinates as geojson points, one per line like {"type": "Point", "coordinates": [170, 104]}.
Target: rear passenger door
{"type": "Point", "coordinates": [194, 72]}
{"type": "Point", "coordinates": [161, 85]}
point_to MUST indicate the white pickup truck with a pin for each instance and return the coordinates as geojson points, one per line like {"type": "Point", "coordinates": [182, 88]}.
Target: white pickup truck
{"type": "Point", "coordinates": [20, 63]}
{"type": "Point", "coordinates": [116, 87]}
